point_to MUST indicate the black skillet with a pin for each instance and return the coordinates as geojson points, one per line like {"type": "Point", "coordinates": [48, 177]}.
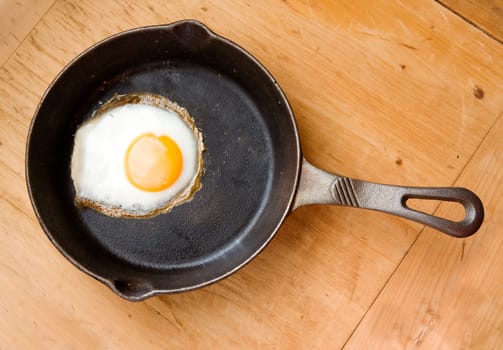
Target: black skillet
{"type": "Point", "coordinates": [254, 173]}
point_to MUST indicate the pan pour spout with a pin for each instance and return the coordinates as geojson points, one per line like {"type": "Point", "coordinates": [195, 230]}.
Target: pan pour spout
{"type": "Point", "coordinates": [132, 290]}
{"type": "Point", "coordinates": [317, 186]}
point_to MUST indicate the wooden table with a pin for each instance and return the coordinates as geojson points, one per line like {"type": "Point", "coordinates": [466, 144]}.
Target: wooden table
{"type": "Point", "coordinates": [404, 92]}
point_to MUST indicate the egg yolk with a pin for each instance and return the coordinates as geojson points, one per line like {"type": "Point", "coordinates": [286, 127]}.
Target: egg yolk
{"type": "Point", "coordinates": [153, 163]}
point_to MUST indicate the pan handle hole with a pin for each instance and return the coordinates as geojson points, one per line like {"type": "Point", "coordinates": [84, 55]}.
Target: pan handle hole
{"type": "Point", "coordinates": [132, 290]}
{"type": "Point", "coordinates": [453, 211]}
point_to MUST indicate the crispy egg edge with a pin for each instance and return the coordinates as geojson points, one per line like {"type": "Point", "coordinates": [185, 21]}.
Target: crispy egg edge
{"type": "Point", "coordinates": [186, 194]}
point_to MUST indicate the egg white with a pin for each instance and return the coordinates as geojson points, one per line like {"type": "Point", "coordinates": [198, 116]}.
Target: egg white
{"type": "Point", "coordinates": [100, 145]}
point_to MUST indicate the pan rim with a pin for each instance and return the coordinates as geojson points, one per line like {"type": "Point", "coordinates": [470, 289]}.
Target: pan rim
{"type": "Point", "coordinates": [294, 181]}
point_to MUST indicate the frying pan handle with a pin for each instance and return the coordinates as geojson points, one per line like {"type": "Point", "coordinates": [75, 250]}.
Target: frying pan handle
{"type": "Point", "coordinates": [320, 187]}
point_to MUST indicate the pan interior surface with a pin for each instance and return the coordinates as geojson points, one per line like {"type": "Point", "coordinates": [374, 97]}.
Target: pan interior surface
{"type": "Point", "coordinates": [237, 177]}
{"type": "Point", "coordinates": [250, 167]}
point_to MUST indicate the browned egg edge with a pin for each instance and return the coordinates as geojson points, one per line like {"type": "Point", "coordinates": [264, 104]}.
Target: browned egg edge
{"type": "Point", "coordinates": [186, 194]}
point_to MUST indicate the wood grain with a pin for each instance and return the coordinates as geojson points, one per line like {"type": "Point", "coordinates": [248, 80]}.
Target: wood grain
{"type": "Point", "coordinates": [447, 293]}
{"type": "Point", "coordinates": [485, 14]}
{"type": "Point", "coordinates": [17, 18]}
{"type": "Point", "coordinates": [386, 92]}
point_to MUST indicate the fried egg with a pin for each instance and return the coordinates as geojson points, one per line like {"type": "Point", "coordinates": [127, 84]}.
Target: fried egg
{"type": "Point", "coordinates": [138, 156]}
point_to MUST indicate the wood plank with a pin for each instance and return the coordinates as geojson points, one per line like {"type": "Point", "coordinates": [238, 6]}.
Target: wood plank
{"type": "Point", "coordinates": [17, 19]}
{"type": "Point", "coordinates": [485, 14]}
{"type": "Point", "coordinates": [447, 294]}
{"type": "Point", "coordinates": [386, 100]}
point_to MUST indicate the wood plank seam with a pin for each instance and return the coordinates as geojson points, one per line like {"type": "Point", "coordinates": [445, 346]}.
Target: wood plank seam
{"type": "Point", "coordinates": [386, 282]}
{"type": "Point", "coordinates": [500, 115]}
{"type": "Point", "coordinates": [472, 23]}
{"type": "Point", "coordinates": [27, 35]}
